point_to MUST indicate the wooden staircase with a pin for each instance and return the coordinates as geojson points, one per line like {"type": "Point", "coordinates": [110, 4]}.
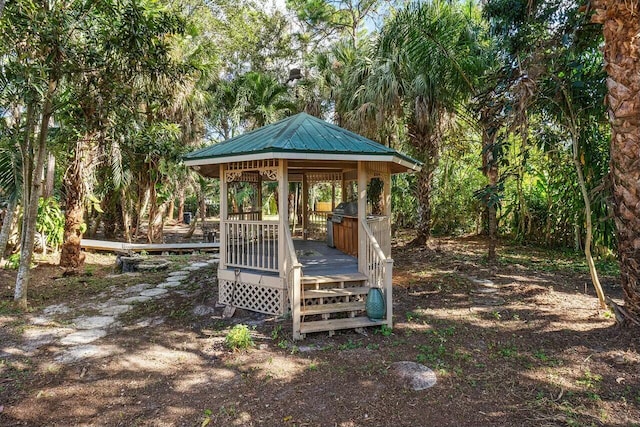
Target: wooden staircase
{"type": "Point", "coordinates": [330, 303]}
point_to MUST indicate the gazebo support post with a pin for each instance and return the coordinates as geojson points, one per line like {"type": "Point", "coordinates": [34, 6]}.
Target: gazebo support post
{"type": "Point", "coordinates": [305, 206]}
{"type": "Point", "coordinates": [259, 197]}
{"type": "Point", "coordinates": [386, 208]}
{"type": "Point", "coordinates": [283, 214]}
{"type": "Point", "coordinates": [224, 207]}
{"type": "Point", "coordinates": [362, 215]}
{"type": "Point", "coordinates": [333, 195]}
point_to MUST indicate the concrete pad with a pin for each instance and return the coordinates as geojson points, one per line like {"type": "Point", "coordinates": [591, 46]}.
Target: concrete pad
{"type": "Point", "coordinates": [114, 310]}
{"type": "Point", "coordinates": [145, 323]}
{"type": "Point", "coordinates": [154, 292]}
{"type": "Point", "coordinates": [200, 264]}
{"type": "Point", "coordinates": [56, 309]}
{"type": "Point", "coordinates": [40, 320]}
{"type": "Point", "coordinates": [34, 338]}
{"type": "Point", "coordinates": [135, 299]}
{"type": "Point", "coordinates": [80, 352]}
{"type": "Point", "coordinates": [83, 337]}
{"type": "Point", "coordinates": [167, 285]}
{"type": "Point", "coordinates": [93, 322]}
{"type": "Point", "coordinates": [136, 289]}
{"type": "Point", "coordinates": [178, 273]}
{"type": "Point", "coordinates": [484, 291]}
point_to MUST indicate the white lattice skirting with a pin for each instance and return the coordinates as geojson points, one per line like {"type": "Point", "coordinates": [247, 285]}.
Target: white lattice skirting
{"type": "Point", "coordinates": [255, 297]}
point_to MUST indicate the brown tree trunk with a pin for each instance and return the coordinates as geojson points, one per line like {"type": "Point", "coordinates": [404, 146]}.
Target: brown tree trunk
{"type": "Point", "coordinates": [50, 176]}
{"type": "Point", "coordinates": [32, 188]}
{"type": "Point", "coordinates": [153, 212]}
{"type": "Point", "coordinates": [126, 214]}
{"type": "Point", "coordinates": [170, 209]}
{"type": "Point", "coordinates": [72, 257]}
{"type": "Point", "coordinates": [427, 149]}
{"type": "Point", "coordinates": [181, 205]}
{"type": "Point", "coordinates": [490, 170]}
{"type": "Point", "coordinates": [7, 224]}
{"type": "Point", "coordinates": [621, 26]}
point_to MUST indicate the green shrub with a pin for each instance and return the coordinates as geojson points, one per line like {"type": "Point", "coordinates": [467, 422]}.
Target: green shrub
{"type": "Point", "coordinates": [50, 222]}
{"type": "Point", "coordinates": [239, 338]}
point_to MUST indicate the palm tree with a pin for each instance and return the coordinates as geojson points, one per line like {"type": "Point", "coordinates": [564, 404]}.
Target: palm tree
{"type": "Point", "coordinates": [621, 26]}
{"type": "Point", "coordinates": [428, 65]}
{"type": "Point", "coordinates": [10, 184]}
{"type": "Point", "coordinates": [262, 99]}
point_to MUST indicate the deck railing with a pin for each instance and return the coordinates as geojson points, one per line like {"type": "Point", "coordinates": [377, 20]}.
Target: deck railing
{"type": "Point", "coordinates": [379, 268]}
{"type": "Point", "coordinates": [381, 229]}
{"type": "Point", "coordinates": [293, 277]}
{"type": "Point", "coordinates": [252, 244]}
{"type": "Point", "coordinates": [318, 223]}
{"type": "Point", "coordinates": [244, 216]}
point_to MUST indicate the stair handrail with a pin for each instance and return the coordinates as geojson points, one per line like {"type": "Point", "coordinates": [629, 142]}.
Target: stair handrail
{"type": "Point", "coordinates": [293, 276]}
{"type": "Point", "coordinates": [379, 269]}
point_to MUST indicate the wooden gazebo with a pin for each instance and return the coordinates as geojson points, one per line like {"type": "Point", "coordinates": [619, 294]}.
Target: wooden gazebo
{"type": "Point", "coordinates": [262, 267]}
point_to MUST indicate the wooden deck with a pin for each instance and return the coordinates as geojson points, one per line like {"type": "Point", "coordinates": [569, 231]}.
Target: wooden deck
{"type": "Point", "coordinates": [106, 245]}
{"type": "Point", "coordinates": [318, 259]}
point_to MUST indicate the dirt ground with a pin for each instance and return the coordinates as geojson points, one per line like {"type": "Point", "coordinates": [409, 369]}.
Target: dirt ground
{"type": "Point", "coordinates": [532, 351]}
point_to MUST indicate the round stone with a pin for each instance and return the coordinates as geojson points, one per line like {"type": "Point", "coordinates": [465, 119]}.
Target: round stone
{"type": "Point", "coordinates": [414, 375]}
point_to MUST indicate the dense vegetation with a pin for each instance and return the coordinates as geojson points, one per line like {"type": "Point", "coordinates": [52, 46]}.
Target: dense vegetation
{"type": "Point", "coordinates": [503, 103]}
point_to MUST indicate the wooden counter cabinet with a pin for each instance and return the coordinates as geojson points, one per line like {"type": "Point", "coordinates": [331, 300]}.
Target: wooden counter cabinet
{"type": "Point", "coordinates": [345, 235]}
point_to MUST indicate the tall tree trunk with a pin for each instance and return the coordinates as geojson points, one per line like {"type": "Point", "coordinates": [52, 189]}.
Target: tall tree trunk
{"type": "Point", "coordinates": [126, 215]}
{"type": "Point", "coordinates": [490, 170]}
{"type": "Point", "coordinates": [156, 223]}
{"type": "Point", "coordinates": [170, 209]}
{"type": "Point", "coordinates": [203, 207]}
{"type": "Point", "coordinates": [621, 26]}
{"type": "Point", "coordinates": [72, 257]}
{"type": "Point", "coordinates": [427, 151]}
{"type": "Point", "coordinates": [7, 223]}
{"type": "Point", "coordinates": [153, 210]}
{"type": "Point", "coordinates": [50, 176]}
{"type": "Point", "coordinates": [589, 226]}
{"type": "Point", "coordinates": [31, 195]}
{"type": "Point", "coordinates": [181, 205]}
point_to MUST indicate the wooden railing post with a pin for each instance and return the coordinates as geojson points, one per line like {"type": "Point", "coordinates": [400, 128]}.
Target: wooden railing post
{"type": "Point", "coordinates": [295, 295]}
{"type": "Point", "coordinates": [388, 290]}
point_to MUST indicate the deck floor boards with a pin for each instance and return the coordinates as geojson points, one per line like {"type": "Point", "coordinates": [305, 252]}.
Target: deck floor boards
{"type": "Point", "coordinates": [318, 259]}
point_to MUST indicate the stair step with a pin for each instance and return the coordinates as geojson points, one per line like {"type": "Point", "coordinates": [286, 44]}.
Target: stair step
{"type": "Point", "coordinates": [335, 324]}
{"type": "Point", "coordinates": [335, 292]}
{"type": "Point", "coordinates": [356, 277]}
{"type": "Point", "coordinates": [332, 308]}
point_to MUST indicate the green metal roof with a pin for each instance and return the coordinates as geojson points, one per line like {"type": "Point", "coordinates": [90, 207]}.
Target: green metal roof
{"type": "Point", "coordinates": [301, 133]}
